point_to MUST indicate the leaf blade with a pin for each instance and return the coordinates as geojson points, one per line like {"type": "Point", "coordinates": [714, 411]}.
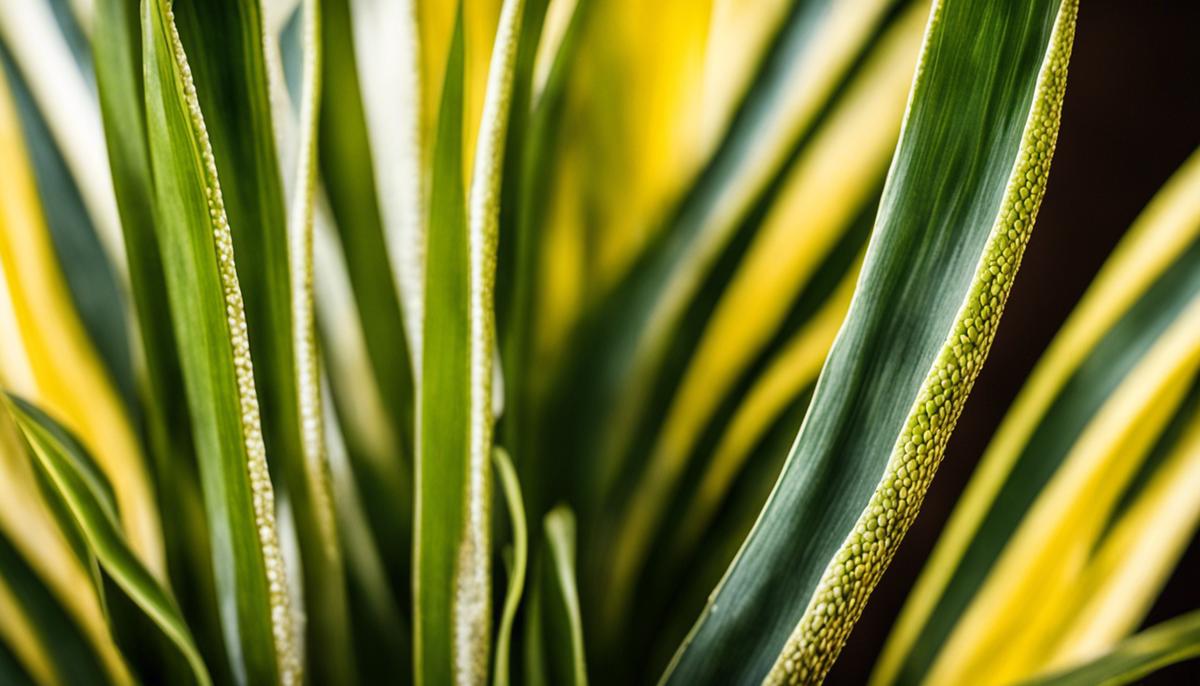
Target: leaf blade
{"type": "Point", "coordinates": [955, 279]}
{"type": "Point", "coordinates": [209, 317]}
{"type": "Point", "coordinates": [97, 520]}
{"type": "Point", "coordinates": [1131, 306]}
{"type": "Point", "coordinates": [516, 576]}
{"type": "Point", "coordinates": [1161, 645]}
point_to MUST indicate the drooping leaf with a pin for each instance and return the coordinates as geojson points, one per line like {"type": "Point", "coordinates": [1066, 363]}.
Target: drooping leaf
{"type": "Point", "coordinates": [60, 368]}
{"type": "Point", "coordinates": [52, 613]}
{"type": "Point", "coordinates": [74, 476]}
{"type": "Point", "coordinates": [933, 285]}
{"type": "Point", "coordinates": [46, 638]}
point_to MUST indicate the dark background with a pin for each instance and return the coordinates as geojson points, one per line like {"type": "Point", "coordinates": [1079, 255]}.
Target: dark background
{"type": "Point", "coordinates": [1131, 117]}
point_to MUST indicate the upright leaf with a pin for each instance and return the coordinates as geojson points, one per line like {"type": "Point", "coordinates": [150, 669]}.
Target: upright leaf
{"type": "Point", "coordinates": [443, 400]}
{"type": "Point", "coordinates": [516, 562]}
{"type": "Point", "coordinates": [210, 324]}
{"type": "Point", "coordinates": [324, 575]}
{"type": "Point", "coordinates": [359, 306]}
{"type": "Point", "coordinates": [387, 48]}
{"type": "Point", "coordinates": [118, 63]}
{"type": "Point", "coordinates": [453, 554]}
{"type": "Point", "coordinates": [936, 275]}
{"type": "Point", "coordinates": [554, 646]}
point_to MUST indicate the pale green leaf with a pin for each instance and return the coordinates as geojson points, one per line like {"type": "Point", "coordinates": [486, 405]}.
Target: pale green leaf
{"type": "Point", "coordinates": [516, 565]}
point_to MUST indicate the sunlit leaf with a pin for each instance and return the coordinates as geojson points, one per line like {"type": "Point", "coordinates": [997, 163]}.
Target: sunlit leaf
{"type": "Point", "coordinates": [891, 391]}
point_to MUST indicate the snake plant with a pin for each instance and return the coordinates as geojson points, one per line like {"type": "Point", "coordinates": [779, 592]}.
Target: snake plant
{"type": "Point", "coordinates": [557, 341]}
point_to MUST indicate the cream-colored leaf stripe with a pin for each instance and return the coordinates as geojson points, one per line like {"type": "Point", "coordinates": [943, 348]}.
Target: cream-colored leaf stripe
{"type": "Point", "coordinates": [472, 585]}
{"type": "Point", "coordinates": [858, 566]}
{"type": "Point", "coordinates": [388, 46]}
{"type": "Point", "coordinates": [300, 237]}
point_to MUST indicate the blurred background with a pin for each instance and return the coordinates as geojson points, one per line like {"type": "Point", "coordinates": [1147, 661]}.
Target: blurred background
{"type": "Point", "coordinates": [1131, 117]}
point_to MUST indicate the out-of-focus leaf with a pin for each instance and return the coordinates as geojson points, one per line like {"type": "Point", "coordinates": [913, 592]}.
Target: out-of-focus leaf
{"type": "Point", "coordinates": [554, 627]}
{"type": "Point", "coordinates": [52, 605]}
{"type": "Point", "coordinates": [1135, 657]}
{"type": "Point", "coordinates": [383, 55]}
{"type": "Point", "coordinates": [215, 355]}
{"type": "Point", "coordinates": [353, 200]}
{"type": "Point", "coordinates": [934, 282]}
{"type": "Point", "coordinates": [822, 197]}
{"type": "Point", "coordinates": [516, 564]}
{"type": "Point", "coordinates": [73, 476]}
{"type": "Point", "coordinates": [563, 623]}
{"type": "Point", "coordinates": [11, 669]}
{"type": "Point", "coordinates": [91, 278]}
{"type": "Point", "coordinates": [63, 95]}
{"type": "Point", "coordinates": [383, 638]}
{"type": "Point", "coordinates": [529, 166]}
{"type": "Point", "coordinates": [1042, 555]}
{"type": "Point", "coordinates": [359, 312]}
{"type": "Point", "coordinates": [325, 577]}
{"type": "Point", "coordinates": [62, 371]}
{"type": "Point", "coordinates": [48, 639]}
{"type": "Point", "coordinates": [629, 351]}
